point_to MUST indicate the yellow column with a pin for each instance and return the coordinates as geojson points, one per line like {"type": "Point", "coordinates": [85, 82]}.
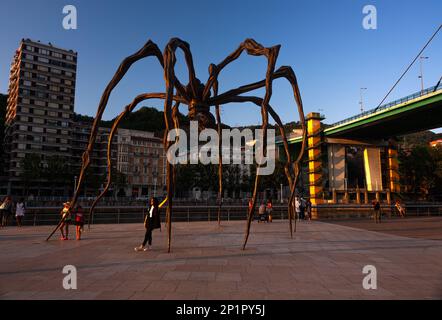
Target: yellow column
{"type": "Point", "coordinates": [314, 134]}
{"type": "Point", "coordinates": [393, 170]}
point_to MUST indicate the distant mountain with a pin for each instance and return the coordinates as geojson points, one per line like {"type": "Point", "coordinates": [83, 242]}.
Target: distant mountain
{"type": "Point", "coordinates": [144, 119]}
{"type": "Point", "coordinates": [418, 139]}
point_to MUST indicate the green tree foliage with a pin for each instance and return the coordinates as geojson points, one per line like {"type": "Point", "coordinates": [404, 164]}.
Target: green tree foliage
{"type": "Point", "coordinates": [421, 170]}
{"type": "Point", "coordinates": [32, 170]}
{"type": "Point", "coordinates": [144, 119]}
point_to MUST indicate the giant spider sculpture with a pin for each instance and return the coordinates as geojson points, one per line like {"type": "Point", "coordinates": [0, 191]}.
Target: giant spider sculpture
{"type": "Point", "coordinates": [199, 98]}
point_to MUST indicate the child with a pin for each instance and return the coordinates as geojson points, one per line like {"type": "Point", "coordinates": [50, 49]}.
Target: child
{"type": "Point", "coordinates": [79, 222]}
{"type": "Point", "coordinates": [20, 211]}
{"type": "Point", "coordinates": [66, 215]}
{"type": "Point", "coordinates": [269, 210]}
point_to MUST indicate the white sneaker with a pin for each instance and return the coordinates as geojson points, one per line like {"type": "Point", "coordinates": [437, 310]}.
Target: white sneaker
{"type": "Point", "coordinates": [140, 248]}
{"type": "Point", "coordinates": [146, 248]}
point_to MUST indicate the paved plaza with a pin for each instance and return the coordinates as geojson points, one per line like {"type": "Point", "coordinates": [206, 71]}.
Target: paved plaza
{"type": "Point", "coordinates": [323, 261]}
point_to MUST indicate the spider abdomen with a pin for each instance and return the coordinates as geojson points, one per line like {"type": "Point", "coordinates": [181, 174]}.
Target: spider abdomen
{"type": "Point", "coordinates": [201, 112]}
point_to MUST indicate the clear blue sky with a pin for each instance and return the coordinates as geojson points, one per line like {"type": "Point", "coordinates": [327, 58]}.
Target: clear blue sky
{"type": "Point", "coordinates": [332, 55]}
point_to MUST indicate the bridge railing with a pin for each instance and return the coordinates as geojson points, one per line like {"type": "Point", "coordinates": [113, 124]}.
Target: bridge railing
{"type": "Point", "coordinates": [388, 105]}
{"type": "Point", "coordinates": [135, 214]}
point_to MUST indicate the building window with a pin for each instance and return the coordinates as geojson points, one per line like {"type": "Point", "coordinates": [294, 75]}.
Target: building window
{"type": "Point", "coordinates": [41, 95]}
{"type": "Point", "coordinates": [42, 77]}
{"type": "Point", "coordinates": [44, 60]}
{"type": "Point", "coordinates": [29, 56]}
{"type": "Point", "coordinates": [42, 68]}
{"type": "Point", "coordinates": [30, 48]}
{"type": "Point", "coordinates": [56, 71]}
{"type": "Point", "coordinates": [27, 83]}
{"type": "Point", "coordinates": [57, 55]}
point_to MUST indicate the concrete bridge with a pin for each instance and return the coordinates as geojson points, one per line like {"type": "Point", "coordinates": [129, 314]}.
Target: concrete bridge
{"type": "Point", "coordinates": [355, 160]}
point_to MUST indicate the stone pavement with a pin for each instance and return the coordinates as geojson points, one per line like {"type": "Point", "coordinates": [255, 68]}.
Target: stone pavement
{"type": "Point", "coordinates": [323, 261]}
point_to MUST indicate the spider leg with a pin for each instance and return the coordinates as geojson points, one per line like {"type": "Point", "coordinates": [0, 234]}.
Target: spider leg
{"type": "Point", "coordinates": [149, 49]}
{"type": "Point", "coordinates": [220, 158]}
{"type": "Point", "coordinates": [283, 72]}
{"type": "Point", "coordinates": [252, 48]}
{"type": "Point", "coordinates": [128, 109]}
{"type": "Point", "coordinates": [176, 123]}
{"type": "Point", "coordinates": [169, 60]}
{"type": "Point", "coordinates": [292, 182]}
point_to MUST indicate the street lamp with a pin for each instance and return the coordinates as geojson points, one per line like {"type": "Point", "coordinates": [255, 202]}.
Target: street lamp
{"type": "Point", "coordinates": [422, 74]}
{"type": "Point", "coordinates": [361, 101]}
{"type": "Point", "coordinates": [75, 183]}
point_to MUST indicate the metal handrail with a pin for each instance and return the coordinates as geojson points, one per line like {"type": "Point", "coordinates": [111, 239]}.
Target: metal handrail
{"type": "Point", "coordinates": [387, 105]}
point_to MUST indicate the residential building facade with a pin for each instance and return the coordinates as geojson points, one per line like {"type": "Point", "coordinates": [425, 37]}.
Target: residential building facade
{"type": "Point", "coordinates": [141, 158]}
{"type": "Point", "coordinates": [40, 106]}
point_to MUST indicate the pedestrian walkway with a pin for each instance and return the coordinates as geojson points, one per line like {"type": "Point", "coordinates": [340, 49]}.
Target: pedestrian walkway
{"type": "Point", "coordinates": [322, 261]}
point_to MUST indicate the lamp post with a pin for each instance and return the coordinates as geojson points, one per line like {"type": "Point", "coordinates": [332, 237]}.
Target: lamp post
{"type": "Point", "coordinates": [361, 102]}
{"type": "Point", "coordinates": [75, 183]}
{"type": "Point", "coordinates": [282, 198]}
{"type": "Point", "coordinates": [422, 73]}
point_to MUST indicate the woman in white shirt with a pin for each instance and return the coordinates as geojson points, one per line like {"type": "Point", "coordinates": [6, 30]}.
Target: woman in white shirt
{"type": "Point", "coordinates": [20, 211]}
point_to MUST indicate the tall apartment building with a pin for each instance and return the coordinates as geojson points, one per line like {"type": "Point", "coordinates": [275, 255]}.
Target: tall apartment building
{"type": "Point", "coordinates": [40, 105]}
{"type": "Point", "coordinates": [142, 159]}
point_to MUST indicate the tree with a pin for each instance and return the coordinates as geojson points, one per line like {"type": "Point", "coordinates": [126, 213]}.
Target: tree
{"type": "Point", "coordinates": [32, 170]}
{"type": "Point", "coordinates": [421, 170]}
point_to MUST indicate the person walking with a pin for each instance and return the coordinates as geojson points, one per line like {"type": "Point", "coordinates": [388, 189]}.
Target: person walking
{"type": "Point", "coordinates": [302, 208]}
{"type": "Point", "coordinates": [20, 211]}
{"type": "Point", "coordinates": [377, 211]}
{"type": "Point", "coordinates": [308, 209]}
{"type": "Point", "coordinates": [79, 222]}
{"type": "Point", "coordinates": [400, 208]}
{"type": "Point", "coordinates": [298, 208]}
{"type": "Point", "coordinates": [269, 210]}
{"type": "Point", "coordinates": [261, 212]}
{"type": "Point", "coordinates": [6, 209]}
{"type": "Point", "coordinates": [66, 217]}
{"type": "Point", "coordinates": [151, 222]}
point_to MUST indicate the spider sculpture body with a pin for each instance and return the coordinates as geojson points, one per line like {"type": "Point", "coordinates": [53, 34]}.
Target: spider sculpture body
{"type": "Point", "coordinates": [199, 98]}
